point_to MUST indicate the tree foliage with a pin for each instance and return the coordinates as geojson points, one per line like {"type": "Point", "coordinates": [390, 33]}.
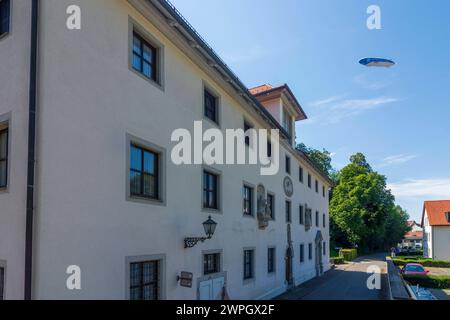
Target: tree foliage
{"type": "Point", "coordinates": [322, 159]}
{"type": "Point", "coordinates": [362, 209]}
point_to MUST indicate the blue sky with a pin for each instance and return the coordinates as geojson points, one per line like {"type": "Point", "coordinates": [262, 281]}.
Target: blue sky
{"type": "Point", "coordinates": [399, 117]}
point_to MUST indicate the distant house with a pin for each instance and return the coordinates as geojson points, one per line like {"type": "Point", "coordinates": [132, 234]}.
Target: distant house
{"type": "Point", "coordinates": [413, 238]}
{"type": "Point", "coordinates": [436, 226]}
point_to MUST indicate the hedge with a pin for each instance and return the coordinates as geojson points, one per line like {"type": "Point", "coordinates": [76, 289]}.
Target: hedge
{"type": "Point", "coordinates": [412, 253]}
{"type": "Point", "coordinates": [337, 260]}
{"type": "Point", "coordinates": [429, 281]}
{"type": "Point", "coordinates": [423, 261]}
{"type": "Point", "coordinates": [348, 254]}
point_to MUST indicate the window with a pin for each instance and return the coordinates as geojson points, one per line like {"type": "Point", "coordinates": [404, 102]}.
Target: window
{"type": "Point", "coordinates": [317, 218]}
{"type": "Point", "coordinates": [248, 264]}
{"type": "Point", "coordinates": [271, 205]}
{"type": "Point", "coordinates": [210, 190]}
{"type": "Point", "coordinates": [317, 186]}
{"type": "Point", "coordinates": [288, 212]}
{"type": "Point", "coordinates": [247, 194]}
{"type": "Point", "coordinates": [309, 180]}
{"type": "Point", "coordinates": [323, 191]}
{"type": "Point", "coordinates": [269, 149]}
{"type": "Point", "coordinates": [247, 127]}
{"type": "Point", "coordinates": [300, 174]}
{"type": "Point", "coordinates": [308, 219]}
{"type": "Point", "coordinates": [144, 57]}
{"type": "Point", "coordinates": [3, 157]}
{"type": "Point", "coordinates": [144, 280]}
{"type": "Point", "coordinates": [324, 220]}
{"type": "Point", "coordinates": [301, 215]}
{"type": "Point", "coordinates": [324, 248]}
{"type": "Point", "coordinates": [287, 122]}
{"type": "Point", "coordinates": [211, 106]}
{"type": "Point", "coordinates": [310, 251]}
{"type": "Point", "coordinates": [2, 283]}
{"type": "Point", "coordinates": [288, 165]}
{"type": "Point", "coordinates": [271, 260]}
{"type": "Point", "coordinates": [211, 263]}
{"type": "Point", "coordinates": [4, 17]}
{"type": "Point", "coordinates": [302, 253]}
{"type": "Point", "coordinates": [144, 173]}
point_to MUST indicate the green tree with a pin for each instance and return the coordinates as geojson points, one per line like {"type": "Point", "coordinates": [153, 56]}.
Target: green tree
{"type": "Point", "coordinates": [360, 205]}
{"type": "Point", "coordinates": [396, 226]}
{"type": "Point", "coordinates": [322, 159]}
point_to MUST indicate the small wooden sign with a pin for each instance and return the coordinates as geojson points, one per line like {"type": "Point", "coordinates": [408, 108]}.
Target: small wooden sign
{"type": "Point", "coordinates": [186, 279]}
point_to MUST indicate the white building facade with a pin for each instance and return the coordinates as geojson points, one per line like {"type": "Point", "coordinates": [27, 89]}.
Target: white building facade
{"type": "Point", "coordinates": [106, 195]}
{"type": "Point", "coordinates": [436, 229]}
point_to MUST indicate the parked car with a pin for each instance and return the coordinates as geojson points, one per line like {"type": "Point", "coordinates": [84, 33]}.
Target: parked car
{"type": "Point", "coordinates": [414, 269]}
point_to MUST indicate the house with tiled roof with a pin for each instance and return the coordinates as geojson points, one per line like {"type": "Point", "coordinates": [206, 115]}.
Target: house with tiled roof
{"type": "Point", "coordinates": [436, 227]}
{"type": "Point", "coordinates": [413, 238]}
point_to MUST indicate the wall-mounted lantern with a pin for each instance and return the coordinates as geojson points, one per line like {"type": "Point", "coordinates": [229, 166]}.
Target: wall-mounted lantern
{"type": "Point", "coordinates": [209, 226]}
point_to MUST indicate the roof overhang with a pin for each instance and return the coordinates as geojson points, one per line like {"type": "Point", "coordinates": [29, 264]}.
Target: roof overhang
{"type": "Point", "coordinates": [285, 93]}
{"type": "Point", "coordinates": [191, 43]}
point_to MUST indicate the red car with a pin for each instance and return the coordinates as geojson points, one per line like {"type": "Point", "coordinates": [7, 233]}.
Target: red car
{"type": "Point", "coordinates": [414, 269]}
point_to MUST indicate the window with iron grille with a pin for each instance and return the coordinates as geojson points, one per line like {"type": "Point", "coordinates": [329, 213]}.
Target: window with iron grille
{"type": "Point", "coordinates": [144, 173]}
{"type": "Point", "coordinates": [210, 190]}
{"type": "Point", "coordinates": [309, 181]}
{"type": "Point", "coordinates": [324, 220]}
{"type": "Point", "coordinates": [145, 280]}
{"type": "Point", "coordinates": [288, 212]}
{"type": "Point", "coordinates": [247, 194]}
{"type": "Point", "coordinates": [317, 186]}
{"type": "Point", "coordinates": [310, 251]}
{"type": "Point", "coordinates": [144, 57]}
{"type": "Point", "coordinates": [4, 16]}
{"type": "Point", "coordinates": [301, 215]}
{"type": "Point", "coordinates": [323, 191]}
{"type": "Point", "coordinates": [248, 264]}
{"type": "Point", "coordinates": [300, 174]}
{"type": "Point", "coordinates": [271, 260]}
{"type": "Point", "coordinates": [211, 106]}
{"type": "Point", "coordinates": [211, 263]}
{"type": "Point", "coordinates": [302, 253]}
{"type": "Point", "coordinates": [271, 205]}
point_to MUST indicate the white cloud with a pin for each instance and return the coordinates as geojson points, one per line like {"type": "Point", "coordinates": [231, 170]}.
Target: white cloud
{"type": "Point", "coordinates": [333, 109]}
{"type": "Point", "coordinates": [397, 159]}
{"type": "Point", "coordinates": [327, 100]}
{"type": "Point", "coordinates": [353, 107]}
{"type": "Point", "coordinates": [428, 188]}
{"type": "Point", "coordinates": [412, 193]}
{"type": "Point", "coordinates": [251, 54]}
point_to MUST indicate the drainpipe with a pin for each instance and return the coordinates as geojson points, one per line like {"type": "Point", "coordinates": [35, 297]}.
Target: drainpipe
{"type": "Point", "coordinates": [31, 152]}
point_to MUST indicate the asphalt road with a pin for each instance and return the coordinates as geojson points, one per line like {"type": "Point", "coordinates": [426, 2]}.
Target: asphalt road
{"type": "Point", "coordinates": [346, 282]}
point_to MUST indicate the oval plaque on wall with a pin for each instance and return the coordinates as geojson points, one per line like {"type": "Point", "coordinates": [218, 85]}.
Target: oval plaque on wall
{"type": "Point", "coordinates": [288, 187]}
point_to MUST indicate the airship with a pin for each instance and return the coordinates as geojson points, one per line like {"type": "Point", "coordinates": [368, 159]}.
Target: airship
{"type": "Point", "coordinates": [377, 62]}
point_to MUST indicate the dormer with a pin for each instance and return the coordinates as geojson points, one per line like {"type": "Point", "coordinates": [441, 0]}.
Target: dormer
{"type": "Point", "coordinates": [281, 103]}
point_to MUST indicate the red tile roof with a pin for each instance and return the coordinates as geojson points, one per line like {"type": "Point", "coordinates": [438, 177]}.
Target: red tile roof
{"type": "Point", "coordinates": [260, 89]}
{"type": "Point", "coordinates": [414, 235]}
{"type": "Point", "coordinates": [436, 211]}
{"type": "Point", "coordinates": [267, 92]}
